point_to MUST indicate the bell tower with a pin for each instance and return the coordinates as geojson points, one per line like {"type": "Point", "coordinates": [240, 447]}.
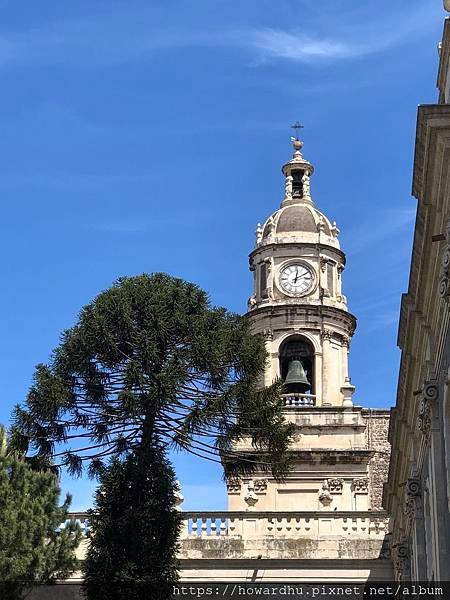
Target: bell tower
{"type": "Point", "coordinates": [298, 304]}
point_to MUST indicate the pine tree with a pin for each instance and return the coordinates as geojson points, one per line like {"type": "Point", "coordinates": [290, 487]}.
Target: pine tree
{"type": "Point", "coordinates": [133, 529]}
{"type": "Point", "coordinates": [33, 548]}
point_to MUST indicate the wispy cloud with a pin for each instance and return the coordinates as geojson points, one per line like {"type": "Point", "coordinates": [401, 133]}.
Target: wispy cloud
{"type": "Point", "coordinates": [274, 43]}
{"type": "Point", "coordinates": [116, 38]}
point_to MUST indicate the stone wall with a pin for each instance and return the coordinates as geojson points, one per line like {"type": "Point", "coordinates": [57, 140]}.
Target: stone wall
{"type": "Point", "coordinates": [376, 434]}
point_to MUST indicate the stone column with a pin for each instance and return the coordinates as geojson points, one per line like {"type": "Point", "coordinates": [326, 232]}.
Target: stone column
{"type": "Point", "coordinates": [326, 399]}
{"type": "Point", "coordinates": [269, 374]}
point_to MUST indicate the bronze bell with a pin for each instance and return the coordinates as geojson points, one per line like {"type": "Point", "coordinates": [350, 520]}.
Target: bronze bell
{"type": "Point", "coordinates": [296, 380]}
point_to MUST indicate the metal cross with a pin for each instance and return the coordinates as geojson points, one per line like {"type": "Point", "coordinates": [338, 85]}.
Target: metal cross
{"type": "Point", "coordinates": [297, 126]}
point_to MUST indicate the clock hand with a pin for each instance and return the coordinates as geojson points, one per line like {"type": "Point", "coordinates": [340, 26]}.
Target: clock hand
{"type": "Point", "coordinates": [296, 276]}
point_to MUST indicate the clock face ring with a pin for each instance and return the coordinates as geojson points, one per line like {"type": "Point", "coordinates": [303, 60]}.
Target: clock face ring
{"type": "Point", "coordinates": [296, 278]}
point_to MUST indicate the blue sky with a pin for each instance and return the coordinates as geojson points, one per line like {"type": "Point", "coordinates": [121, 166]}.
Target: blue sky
{"type": "Point", "coordinates": [140, 137]}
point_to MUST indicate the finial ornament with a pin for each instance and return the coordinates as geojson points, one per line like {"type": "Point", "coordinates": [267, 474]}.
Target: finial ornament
{"type": "Point", "coordinates": [297, 126]}
{"type": "Point", "coordinates": [296, 142]}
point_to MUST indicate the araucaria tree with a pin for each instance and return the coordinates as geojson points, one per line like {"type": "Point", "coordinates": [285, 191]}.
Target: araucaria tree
{"type": "Point", "coordinates": [33, 547]}
{"type": "Point", "coordinates": [149, 365]}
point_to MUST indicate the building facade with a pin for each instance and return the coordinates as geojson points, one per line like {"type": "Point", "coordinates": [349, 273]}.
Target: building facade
{"type": "Point", "coordinates": [418, 491]}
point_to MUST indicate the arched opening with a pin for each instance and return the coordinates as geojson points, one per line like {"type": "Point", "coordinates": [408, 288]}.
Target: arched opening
{"type": "Point", "coordinates": [297, 183]}
{"type": "Point", "coordinates": [298, 378]}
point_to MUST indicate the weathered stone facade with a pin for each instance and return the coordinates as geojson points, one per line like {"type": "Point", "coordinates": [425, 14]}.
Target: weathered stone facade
{"type": "Point", "coordinates": [377, 428]}
{"type": "Point", "coordinates": [418, 491]}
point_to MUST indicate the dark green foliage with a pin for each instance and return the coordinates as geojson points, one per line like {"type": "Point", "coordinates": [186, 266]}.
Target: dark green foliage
{"type": "Point", "coordinates": [31, 547]}
{"type": "Point", "coordinates": [134, 529]}
{"type": "Point", "coordinates": [148, 357]}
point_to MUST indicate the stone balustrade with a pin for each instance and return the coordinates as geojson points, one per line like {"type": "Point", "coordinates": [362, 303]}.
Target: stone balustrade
{"type": "Point", "coordinates": [271, 524]}
{"type": "Point", "coordinates": [313, 525]}
{"type": "Point", "coordinates": [299, 400]}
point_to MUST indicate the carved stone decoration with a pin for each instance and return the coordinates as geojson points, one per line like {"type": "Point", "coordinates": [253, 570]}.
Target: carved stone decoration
{"type": "Point", "coordinates": [430, 391]}
{"type": "Point", "coordinates": [444, 287]}
{"type": "Point", "coordinates": [361, 485]}
{"type": "Point", "coordinates": [412, 492]}
{"type": "Point", "coordinates": [444, 279]}
{"type": "Point", "coordinates": [327, 334]}
{"type": "Point", "coordinates": [336, 485]}
{"type": "Point", "coordinates": [288, 187]}
{"type": "Point", "coordinates": [250, 497]}
{"type": "Point", "coordinates": [345, 340]}
{"type": "Point", "coordinates": [234, 486]}
{"type": "Point", "coordinates": [259, 233]}
{"type": "Point", "coordinates": [409, 508]}
{"type": "Point", "coordinates": [424, 418]}
{"type": "Point", "coordinates": [413, 487]}
{"type": "Point", "coordinates": [401, 560]}
{"type": "Point", "coordinates": [251, 302]}
{"type": "Point", "coordinates": [335, 231]}
{"type": "Point", "coordinates": [306, 181]}
{"type": "Point", "coordinates": [323, 264]}
{"type": "Point", "coordinates": [271, 228]}
{"type": "Point", "coordinates": [325, 497]}
{"type": "Point", "coordinates": [321, 224]}
{"type": "Point", "coordinates": [430, 394]}
{"type": "Point", "coordinates": [268, 334]}
{"type": "Point", "coordinates": [260, 486]}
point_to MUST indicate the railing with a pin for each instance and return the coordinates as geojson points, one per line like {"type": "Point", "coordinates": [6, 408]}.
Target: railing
{"type": "Point", "coordinates": [296, 400]}
{"type": "Point", "coordinates": [276, 524]}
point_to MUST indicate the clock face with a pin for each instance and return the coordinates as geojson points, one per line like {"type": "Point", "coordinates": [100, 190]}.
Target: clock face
{"type": "Point", "coordinates": [296, 278]}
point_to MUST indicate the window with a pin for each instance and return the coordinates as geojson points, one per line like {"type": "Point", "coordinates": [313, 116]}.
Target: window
{"type": "Point", "coordinates": [263, 280]}
{"type": "Point", "coordinates": [297, 184]}
{"type": "Point", "coordinates": [330, 278]}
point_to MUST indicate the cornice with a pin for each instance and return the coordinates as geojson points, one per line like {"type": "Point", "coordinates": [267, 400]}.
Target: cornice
{"type": "Point", "coordinates": [433, 125]}
{"type": "Point", "coordinates": [318, 310]}
{"type": "Point", "coordinates": [295, 245]}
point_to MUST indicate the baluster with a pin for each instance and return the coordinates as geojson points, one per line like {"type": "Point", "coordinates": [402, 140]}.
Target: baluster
{"type": "Point", "coordinates": [213, 527]}
{"type": "Point", "coordinates": [194, 526]}
{"type": "Point", "coordinates": [222, 527]}
{"type": "Point", "coordinates": [232, 526]}
{"type": "Point", "coordinates": [204, 528]}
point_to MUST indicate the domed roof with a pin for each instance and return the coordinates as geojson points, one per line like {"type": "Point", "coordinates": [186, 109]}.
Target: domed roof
{"type": "Point", "coordinates": [299, 222]}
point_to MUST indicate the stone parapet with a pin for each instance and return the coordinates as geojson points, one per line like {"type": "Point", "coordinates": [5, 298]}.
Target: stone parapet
{"type": "Point", "coordinates": [276, 535]}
